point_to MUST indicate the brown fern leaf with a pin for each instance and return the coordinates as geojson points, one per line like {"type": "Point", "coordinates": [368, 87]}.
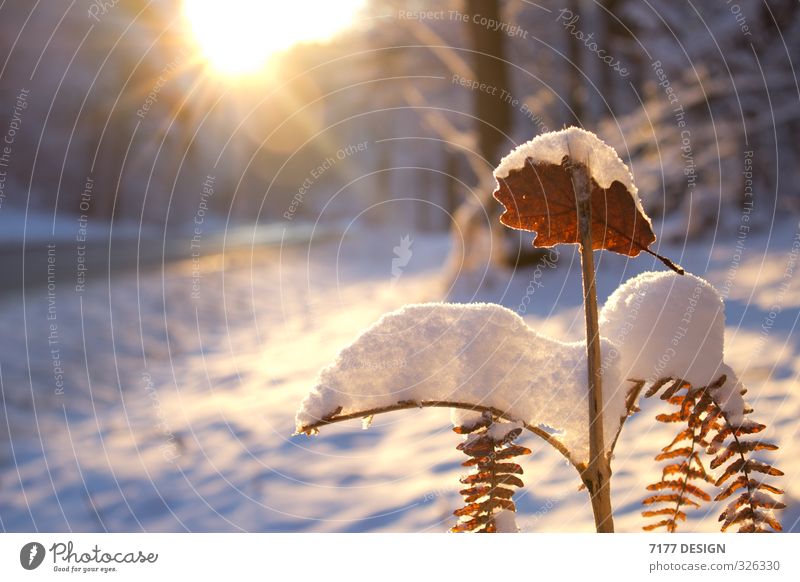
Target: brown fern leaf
{"type": "Point", "coordinates": [673, 498]}
{"type": "Point", "coordinates": [698, 416]}
{"type": "Point", "coordinates": [512, 451]}
{"type": "Point", "coordinates": [725, 431]}
{"type": "Point", "coordinates": [491, 485]}
{"type": "Point", "coordinates": [753, 509]}
{"type": "Point", "coordinates": [674, 417]}
{"type": "Point", "coordinates": [673, 389]}
{"type": "Point", "coordinates": [474, 493]}
{"type": "Point", "coordinates": [667, 523]}
{"type": "Point", "coordinates": [684, 435]}
{"type": "Point", "coordinates": [507, 468]}
{"type": "Point", "coordinates": [485, 421]}
{"type": "Point", "coordinates": [676, 513]}
{"type": "Point", "coordinates": [730, 471]}
{"type": "Point", "coordinates": [739, 447]}
{"type": "Point", "coordinates": [657, 386]}
{"type": "Point", "coordinates": [743, 482]}
{"type": "Point", "coordinates": [709, 430]}
{"type": "Point", "coordinates": [682, 452]}
{"type": "Point", "coordinates": [759, 467]}
{"type": "Point", "coordinates": [696, 471]}
{"type": "Point", "coordinates": [740, 482]}
{"type": "Point", "coordinates": [680, 485]}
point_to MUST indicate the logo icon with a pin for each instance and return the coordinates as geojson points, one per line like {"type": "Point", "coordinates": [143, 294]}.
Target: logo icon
{"type": "Point", "coordinates": [31, 555]}
{"type": "Point", "coordinates": [402, 254]}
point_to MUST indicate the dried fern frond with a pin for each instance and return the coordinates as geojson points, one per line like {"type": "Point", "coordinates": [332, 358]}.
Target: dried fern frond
{"type": "Point", "coordinates": [708, 430]}
{"type": "Point", "coordinates": [491, 485]}
{"type": "Point", "coordinates": [683, 452]}
{"type": "Point", "coordinates": [753, 509]}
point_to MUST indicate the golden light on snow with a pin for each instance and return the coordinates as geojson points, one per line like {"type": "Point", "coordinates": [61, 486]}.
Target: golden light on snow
{"type": "Point", "coordinates": [238, 37]}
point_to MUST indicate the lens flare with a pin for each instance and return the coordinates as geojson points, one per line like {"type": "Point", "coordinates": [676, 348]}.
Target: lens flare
{"type": "Point", "coordinates": [239, 36]}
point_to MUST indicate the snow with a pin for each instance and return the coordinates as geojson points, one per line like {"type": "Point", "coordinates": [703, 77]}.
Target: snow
{"type": "Point", "coordinates": [500, 430]}
{"type": "Point", "coordinates": [506, 521]}
{"type": "Point", "coordinates": [465, 418]}
{"type": "Point", "coordinates": [604, 164]}
{"type": "Point", "coordinates": [669, 325]}
{"type": "Point", "coordinates": [230, 369]}
{"type": "Point", "coordinates": [657, 325]}
{"type": "Point", "coordinates": [497, 431]}
{"type": "Point", "coordinates": [478, 353]}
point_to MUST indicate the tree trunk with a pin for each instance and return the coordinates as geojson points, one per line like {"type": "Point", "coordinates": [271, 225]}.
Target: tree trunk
{"type": "Point", "coordinates": [576, 93]}
{"type": "Point", "coordinates": [493, 115]}
{"type": "Point", "coordinates": [491, 110]}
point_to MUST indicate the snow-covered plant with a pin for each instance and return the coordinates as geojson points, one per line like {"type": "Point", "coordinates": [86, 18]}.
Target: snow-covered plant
{"type": "Point", "coordinates": [658, 331]}
{"type": "Point", "coordinates": [569, 187]}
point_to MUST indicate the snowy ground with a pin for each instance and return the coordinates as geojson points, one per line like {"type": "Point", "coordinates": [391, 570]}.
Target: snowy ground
{"type": "Point", "coordinates": [177, 412]}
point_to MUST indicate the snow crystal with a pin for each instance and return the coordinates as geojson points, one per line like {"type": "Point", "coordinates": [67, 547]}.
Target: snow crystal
{"type": "Point", "coordinates": [477, 354]}
{"type": "Point", "coordinates": [669, 325]}
{"type": "Point", "coordinates": [604, 164]}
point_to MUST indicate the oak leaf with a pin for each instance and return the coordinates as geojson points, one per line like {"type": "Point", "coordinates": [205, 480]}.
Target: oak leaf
{"type": "Point", "coordinates": [540, 197]}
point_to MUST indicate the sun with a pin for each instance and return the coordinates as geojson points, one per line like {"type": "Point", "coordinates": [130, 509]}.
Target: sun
{"type": "Point", "coordinates": [238, 37]}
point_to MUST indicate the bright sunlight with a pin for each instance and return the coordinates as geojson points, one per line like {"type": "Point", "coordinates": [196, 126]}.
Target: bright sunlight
{"type": "Point", "coordinates": [239, 36]}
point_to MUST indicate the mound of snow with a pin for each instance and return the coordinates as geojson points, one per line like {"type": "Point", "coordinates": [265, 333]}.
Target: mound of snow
{"type": "Point", "coordinates": [478, 354]}
{"type": "Point", "coordinates": [669, 325]}
{"type": "Point", "coordinates": [656, 325]}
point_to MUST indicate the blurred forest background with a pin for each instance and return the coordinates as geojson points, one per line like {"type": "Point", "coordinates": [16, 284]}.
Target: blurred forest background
{"type": "Point", "coordinates": [682, 90]}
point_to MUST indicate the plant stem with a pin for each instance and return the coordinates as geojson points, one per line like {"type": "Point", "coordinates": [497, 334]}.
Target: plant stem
{"type": "Point", "coordinates": [597, 476]}
{"type": "Point", "coordinates": [411, 404]}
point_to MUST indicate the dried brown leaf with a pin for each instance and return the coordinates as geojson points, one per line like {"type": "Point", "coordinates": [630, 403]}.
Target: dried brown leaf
{"type": "Point", "coordinates": [674, 512]}
{"type": "Point", "coordinates": [671, 417]}
{"type": "Point", "coordinates": [669, 498]}
{"type": "Point", "coordinates": [672, 390]}
{"type": "Point", "coordinates": [739, 448]}
{"type": "Point", "coordinates": [684, 435]}
{"type": "Point", "coordinates": [682, 452]}
{"type": "Point", "coordinates": [731, 470]}
{"type": "Point", "coordinates": [759, 467]}
{"type": "Point", "coordinates": [681, 486]}
{"type": "Point", "coordinates": [510, 436]}
{"type": "Point", "coordinates": [738, 483]}
{"type": "Point", "coordinates": [484, 421]}
{"type": "Point", "coordinates": [513, 451]}
{"type": "Point", "coordinates": [508, 468]}
{"type": "Point", "coordinates": [655, 387]}
{"type": "Point", "coordinates": [668, 523]}
{"type": "Point", "coordinates": [539, 197]}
